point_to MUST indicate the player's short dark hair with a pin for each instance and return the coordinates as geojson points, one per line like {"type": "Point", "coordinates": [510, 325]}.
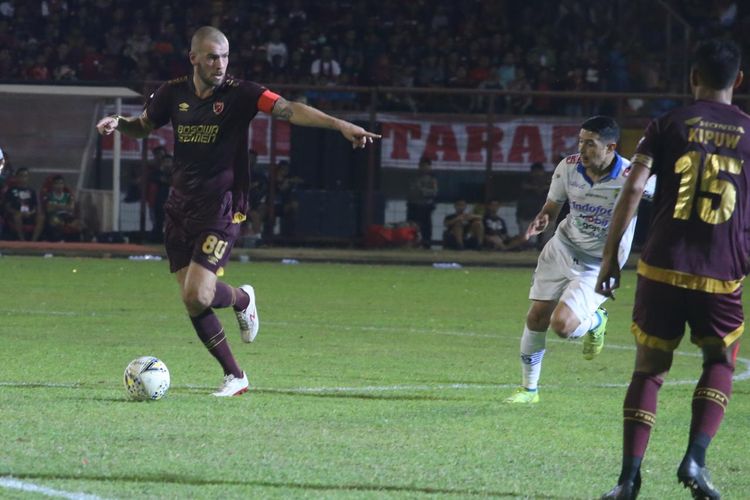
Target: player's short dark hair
{"type": "Point", "coordinates": [605, 126]}
{"type": "Point", "coordinates": [717, 62]}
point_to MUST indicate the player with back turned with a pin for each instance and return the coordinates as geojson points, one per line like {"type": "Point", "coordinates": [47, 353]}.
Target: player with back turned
{"type": "Point", "coordinates": [210, 113]}
{"type": "Point", "coordinates": [693, 263]}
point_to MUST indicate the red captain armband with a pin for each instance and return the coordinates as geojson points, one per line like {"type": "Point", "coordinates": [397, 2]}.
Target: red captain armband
{"type": "Point", "coordinates": [266, 101]}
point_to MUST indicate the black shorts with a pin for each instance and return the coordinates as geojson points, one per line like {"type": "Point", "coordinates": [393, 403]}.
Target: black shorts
{"type": "Point", "coordinates": [661, 312]}
{"type": "Point", "coordinates": [205, 237]}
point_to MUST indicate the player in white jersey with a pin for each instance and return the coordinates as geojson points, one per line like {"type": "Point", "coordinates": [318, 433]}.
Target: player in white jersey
{"type": "Point", "coordinates": [562, 291]}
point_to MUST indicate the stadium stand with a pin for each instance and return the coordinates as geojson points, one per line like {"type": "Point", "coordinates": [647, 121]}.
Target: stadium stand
{"type": "Point", "coordinates": [577, 45]}
{"type": "Point", "coordinates": [582, 47]}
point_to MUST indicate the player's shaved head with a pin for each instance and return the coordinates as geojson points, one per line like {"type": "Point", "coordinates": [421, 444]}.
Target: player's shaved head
{"type": "Point", "coordinates": [207, 33]}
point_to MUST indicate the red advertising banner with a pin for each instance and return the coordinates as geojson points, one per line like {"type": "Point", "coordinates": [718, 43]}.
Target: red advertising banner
{"type": "Point", "coordinates": [451, 144]}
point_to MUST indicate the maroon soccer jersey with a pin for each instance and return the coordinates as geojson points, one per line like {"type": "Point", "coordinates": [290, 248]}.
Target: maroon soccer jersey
{"type": "Point", "coordinates": [699, 231]}
{"type": "Point", "coordinates": [210, 140]}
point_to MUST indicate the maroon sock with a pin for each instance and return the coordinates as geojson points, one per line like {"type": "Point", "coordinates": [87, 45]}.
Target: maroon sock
{"type": "Point", "coordinates": [209, 330]}
{"type": "Point", "coordinates": [226, 296]}
{"type": "Point", "coordinates": [639, 413]}
{"type": "Point", "coordinates": [710, 401]}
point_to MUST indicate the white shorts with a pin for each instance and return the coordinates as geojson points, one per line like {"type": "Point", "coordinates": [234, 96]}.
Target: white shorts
{"type": "Point", "coordinates": [562, 275]}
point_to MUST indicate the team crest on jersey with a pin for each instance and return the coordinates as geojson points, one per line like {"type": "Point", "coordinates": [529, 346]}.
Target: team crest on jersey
{"type": "Point", "coordinates": [218, 107]}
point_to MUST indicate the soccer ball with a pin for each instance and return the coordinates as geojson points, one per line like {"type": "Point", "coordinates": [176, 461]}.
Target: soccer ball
{"type": "Point", "coordinates": [146, 378]}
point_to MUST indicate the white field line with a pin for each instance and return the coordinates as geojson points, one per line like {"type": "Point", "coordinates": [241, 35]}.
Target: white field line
{"type": "Point", "coordinates": [738, 377]}
{"type": "Point", "coordinates": [11, 483]}
{"type": "Point", "coordinates": [744, 375]}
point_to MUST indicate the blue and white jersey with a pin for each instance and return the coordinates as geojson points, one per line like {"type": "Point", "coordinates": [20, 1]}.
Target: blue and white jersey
{"type": "Point", "coordinates": [585, 228]}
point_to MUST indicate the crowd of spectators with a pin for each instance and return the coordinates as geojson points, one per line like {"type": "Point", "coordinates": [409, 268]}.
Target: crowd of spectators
{"type": "Point", "coordinates": [498, 44]}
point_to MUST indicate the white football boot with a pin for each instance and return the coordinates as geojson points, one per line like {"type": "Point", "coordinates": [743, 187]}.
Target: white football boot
{"type": "Point", "coordinates": [248, 317]}
{"type": "Point", "coordinates": [232, 386]}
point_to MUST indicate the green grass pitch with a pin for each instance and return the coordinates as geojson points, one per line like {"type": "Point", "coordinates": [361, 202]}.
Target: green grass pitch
{"type": "Point", "coordinates": [367, 382]}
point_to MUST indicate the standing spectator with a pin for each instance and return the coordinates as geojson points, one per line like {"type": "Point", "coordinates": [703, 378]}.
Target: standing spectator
{"type": "Point", "coordinates": [350, 51]}
{"type": "Point", "coordinates": [325, 70]}
{"type": "Point", "coordinates": [91, 63]}
{"type": "Point", "coordinates": [519, 103]}
{"type": "Point", "coordinates": [297, 70]}
{"type": "Point", "coordinates": [276, 47]}
{"type": "Point", "coordinates": [507, 70]}
{"type": "Point", "coordinates": [480, 72]}
{"type": "Point", "coordinates": [463, 230]}
{"type": "Point", "coordinates": [543, 105]}
{"type": "Point", "coordinates": [297, 14]}
{"type": "Point", "coordinates": [39, 70]}
{"type": "Point", "coordinates": [138, 43]}
{"type": "Point", "coordinates": [533, 194]}
{"type": "Point", "coordinates": [430, 72]}
{"type": "Point", "coordinates": [420, 203]}
{"type": "Point", "coordinates": [541, 55]}
{"type": "Point", "coordinates": [481, 103]}
{"type": "Point", "coordinates": [23, 215]}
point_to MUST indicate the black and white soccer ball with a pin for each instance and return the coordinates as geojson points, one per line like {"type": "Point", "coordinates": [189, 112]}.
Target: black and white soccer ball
{"type": "Point", "coordinates": [146, 378]}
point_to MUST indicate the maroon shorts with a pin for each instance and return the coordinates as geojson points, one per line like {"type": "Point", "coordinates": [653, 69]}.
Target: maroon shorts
{"type": "Point", "coordinates": [661, 312]}
{"type": "Point", "coordinates": [199, 233]}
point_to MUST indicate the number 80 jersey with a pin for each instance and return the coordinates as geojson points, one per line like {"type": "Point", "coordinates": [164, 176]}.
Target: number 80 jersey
{"type": "Point", "coordinates": [698, 237]}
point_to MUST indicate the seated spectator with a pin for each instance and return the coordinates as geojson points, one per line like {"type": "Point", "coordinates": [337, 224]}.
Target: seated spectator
{"type": "Point", "coordinates": [59, 210]}
{"type": "Point", "coordinates": [24, 219]}
{"type": "Point", "coordinates": [463, 230]}
{"type": "Point", "coordinates": [496, 235]}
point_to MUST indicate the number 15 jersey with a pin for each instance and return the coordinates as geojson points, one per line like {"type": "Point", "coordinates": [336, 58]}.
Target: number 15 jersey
{"type": "Point", "coordinates": [699, 235]}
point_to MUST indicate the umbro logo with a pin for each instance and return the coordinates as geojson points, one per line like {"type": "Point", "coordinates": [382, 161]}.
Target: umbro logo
{"type": "Point", "coordinates": [183, 106]}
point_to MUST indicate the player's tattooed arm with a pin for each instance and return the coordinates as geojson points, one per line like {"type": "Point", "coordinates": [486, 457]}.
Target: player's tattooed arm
{"type": "Point", "coordinates": [283, 109]}
{"type": "Point", "coordinates": [301, 114]}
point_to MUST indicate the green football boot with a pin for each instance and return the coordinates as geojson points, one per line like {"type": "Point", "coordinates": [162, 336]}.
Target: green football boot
{"type": "Point", "coordinates": [593, 341]}
{"type": "Point", "coordinates": [523, 396]}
